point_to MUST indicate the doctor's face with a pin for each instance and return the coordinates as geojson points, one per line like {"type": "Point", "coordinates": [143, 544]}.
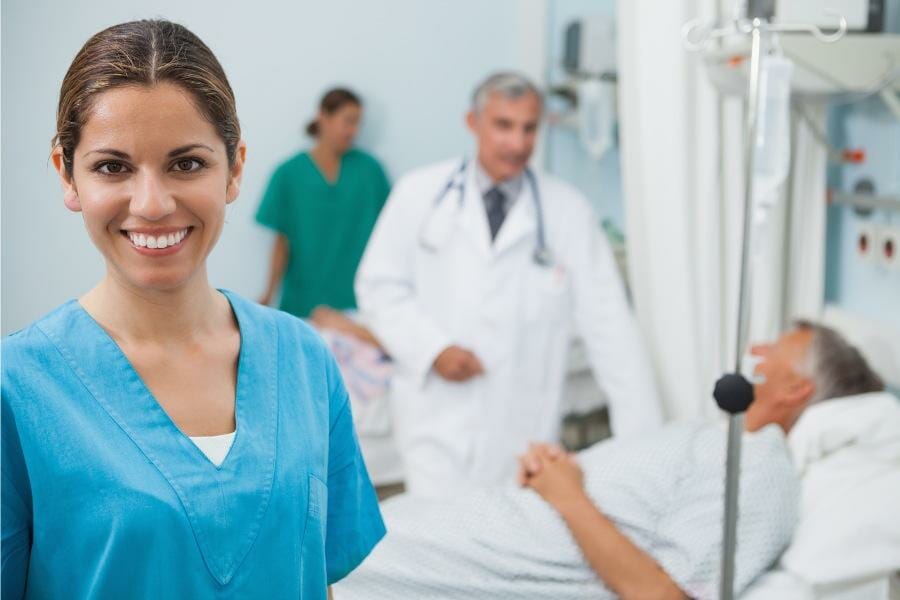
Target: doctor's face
{"type": "Point", "coordinates": [151, 178]}
{"type": "Point", "coordinates": [506, 131]}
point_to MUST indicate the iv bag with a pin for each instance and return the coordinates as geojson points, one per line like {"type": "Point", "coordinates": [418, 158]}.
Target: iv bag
{"type": "Point", "coordinates": [772, 149]}
{"type": "Point", "coordinates": [596, 116]}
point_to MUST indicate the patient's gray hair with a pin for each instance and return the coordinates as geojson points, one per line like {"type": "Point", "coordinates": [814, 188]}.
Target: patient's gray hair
{"type": "Point", "coordinates": [837, 368]}
{"type": "Point", "coordinates": [507, 84]}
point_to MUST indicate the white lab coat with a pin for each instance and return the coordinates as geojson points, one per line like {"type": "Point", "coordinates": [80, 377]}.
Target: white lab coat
{"type": "Point", "coordinates": [516, 316]}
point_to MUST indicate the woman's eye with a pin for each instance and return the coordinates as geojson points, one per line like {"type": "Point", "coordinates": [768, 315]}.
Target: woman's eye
{"type": "Point", "coordinates": [186, 165]}
{"type": "Point", "coordinates": [111, 168]}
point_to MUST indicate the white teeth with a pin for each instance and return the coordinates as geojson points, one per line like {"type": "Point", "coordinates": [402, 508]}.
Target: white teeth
{"type": "Point", "coordinates": [141, 240]}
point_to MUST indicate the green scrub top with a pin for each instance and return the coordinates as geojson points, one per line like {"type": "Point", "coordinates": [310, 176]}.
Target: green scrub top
{"type": "Point", "coordinates": [327, 226]}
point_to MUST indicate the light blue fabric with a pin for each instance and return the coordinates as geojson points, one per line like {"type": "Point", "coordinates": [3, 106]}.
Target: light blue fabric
{"type": "Point", "coordinates": [103, 496]}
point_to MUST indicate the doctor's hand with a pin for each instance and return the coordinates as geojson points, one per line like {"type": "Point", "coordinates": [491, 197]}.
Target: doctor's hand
{"type": "Point", "coordinates": [553, 473]}
{"type": "Point", "coordinates": [457, 364]}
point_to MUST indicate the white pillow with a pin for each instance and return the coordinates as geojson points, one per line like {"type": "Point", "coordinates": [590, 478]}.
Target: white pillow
{"type": "Point", "coordinates": [847, 452]}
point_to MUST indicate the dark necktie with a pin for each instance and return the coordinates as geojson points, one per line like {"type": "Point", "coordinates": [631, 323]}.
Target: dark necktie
{"type": "Point", "coordinates": [495, 203]}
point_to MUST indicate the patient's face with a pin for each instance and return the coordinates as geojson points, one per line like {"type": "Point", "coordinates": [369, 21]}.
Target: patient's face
{"type": "Point", "coordinates": [779, 364]}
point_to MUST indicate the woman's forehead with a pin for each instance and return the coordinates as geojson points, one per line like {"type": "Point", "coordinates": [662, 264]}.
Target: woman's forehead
{"type": "Point", "coordinates": [141, 116]}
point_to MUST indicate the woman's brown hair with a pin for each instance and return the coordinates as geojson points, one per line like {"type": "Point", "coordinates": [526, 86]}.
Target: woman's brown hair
{"type": "Point", "coordinates": [330, 103]}
{"type": "Point", "coordinates": [144, 53]}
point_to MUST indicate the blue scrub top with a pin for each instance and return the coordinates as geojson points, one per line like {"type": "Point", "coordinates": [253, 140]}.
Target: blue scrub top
{"type": "Point", "coordinates": [104, 497]}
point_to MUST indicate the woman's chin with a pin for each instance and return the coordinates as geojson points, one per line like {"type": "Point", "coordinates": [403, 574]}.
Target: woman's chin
{"type": "Point", "coordinates": [157, 280]}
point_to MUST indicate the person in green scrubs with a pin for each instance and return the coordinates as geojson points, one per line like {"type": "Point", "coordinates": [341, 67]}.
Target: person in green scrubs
{"type": "Point", "coordinates": [323, 204]}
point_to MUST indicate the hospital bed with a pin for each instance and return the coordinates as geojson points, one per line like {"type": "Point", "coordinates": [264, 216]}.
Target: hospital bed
{"type": "Point", "coordinates": [847, 543]}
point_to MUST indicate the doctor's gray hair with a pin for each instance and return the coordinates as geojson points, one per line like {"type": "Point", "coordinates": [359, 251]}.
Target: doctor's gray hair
{"type": "Point", "coordinates": [837, 368]}
{"type": "Point", "coordinates": [507, 84]}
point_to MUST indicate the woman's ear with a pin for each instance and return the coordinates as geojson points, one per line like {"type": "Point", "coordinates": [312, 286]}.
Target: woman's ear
{"type": "Point", "coordinates": [70, 194]}
{"type": "Point", "coordinates": [236, 173]}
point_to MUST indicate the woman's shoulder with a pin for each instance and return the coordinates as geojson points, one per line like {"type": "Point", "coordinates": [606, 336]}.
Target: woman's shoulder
{"type": "Point", "coordinates": [33, 339]}
{"type": "Point", "coordinates": [290, 330]}
{"type": "Point", "coordinates": [292, 342]}
{"type": "Point", "coordinates": [31, 351]}
{"type": "Point", "coordinates": [363, 159]}
{"type": "Point", "coordinates": [298, 163]}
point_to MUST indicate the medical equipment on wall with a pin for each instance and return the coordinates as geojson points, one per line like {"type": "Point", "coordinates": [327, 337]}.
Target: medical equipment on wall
{"type": "Point", "coordinates": [435, 231]}
{"type": "Point", "coordinates": [589, 57]}
{"type": "Point", "coordinates": [861, 15]}
{"type": "Point", "coordinates": [590, 46]}
{"type": "Point", "coordinates": [596, 116]}
{"type": "Point", "coordinates": [854, 68]}
{"type": "Point", "coordinates": [733, 392]}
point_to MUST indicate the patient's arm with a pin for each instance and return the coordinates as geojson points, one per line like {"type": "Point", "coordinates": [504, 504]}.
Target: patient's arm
{"type": "Point", "coordinates": [325, 317]}
{"type": "Point", "coordinates": [624, 568]}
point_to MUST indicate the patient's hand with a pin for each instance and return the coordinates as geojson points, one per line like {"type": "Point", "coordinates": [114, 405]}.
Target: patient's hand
{"type": "Point", "coordinates": [552, 473]}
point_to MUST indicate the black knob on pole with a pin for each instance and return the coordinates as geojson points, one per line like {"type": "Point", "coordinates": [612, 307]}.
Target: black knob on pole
{"type": "Point", "coordinates": [733, 393]}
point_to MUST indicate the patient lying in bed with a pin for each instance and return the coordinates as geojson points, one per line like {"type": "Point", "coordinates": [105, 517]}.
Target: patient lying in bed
{"type": "Point", "coordinates": [638, 517]}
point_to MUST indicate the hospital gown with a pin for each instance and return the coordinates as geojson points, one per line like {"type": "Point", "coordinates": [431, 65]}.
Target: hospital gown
{"type": "Point", "coordinates": [664, 491]}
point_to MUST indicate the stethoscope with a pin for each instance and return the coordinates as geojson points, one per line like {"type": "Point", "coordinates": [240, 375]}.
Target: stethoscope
{"type": "Point", "coordinates": [542, 255]}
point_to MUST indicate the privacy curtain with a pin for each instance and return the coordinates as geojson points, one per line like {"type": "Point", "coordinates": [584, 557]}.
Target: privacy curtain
{"type": "Point", "coordinates": [683, 184]}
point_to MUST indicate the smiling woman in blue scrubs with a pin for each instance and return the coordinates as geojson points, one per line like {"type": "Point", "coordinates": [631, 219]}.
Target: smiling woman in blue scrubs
{"type": "Point", "coordinates": [161, 438]}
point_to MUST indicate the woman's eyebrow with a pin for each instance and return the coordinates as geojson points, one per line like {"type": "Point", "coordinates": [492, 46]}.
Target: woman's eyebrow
{"type": "Point", "coordinates": [188, 148]}
{"type": "Point", "coordinates": [116, 153]}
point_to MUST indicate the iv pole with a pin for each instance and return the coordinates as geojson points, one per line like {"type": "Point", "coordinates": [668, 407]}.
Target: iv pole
{"type": "Point", "coordinates": [733, 392]}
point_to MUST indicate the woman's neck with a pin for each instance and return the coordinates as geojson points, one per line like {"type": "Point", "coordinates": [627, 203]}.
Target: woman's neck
{"type": "Point", "coordinates": [133, 315]}
{"type": "Point", "coordinates": [327, 159]}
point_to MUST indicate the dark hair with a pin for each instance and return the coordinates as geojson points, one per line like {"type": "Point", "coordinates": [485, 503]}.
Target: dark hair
{"type": "Point", "coordinates": [144, 53]}
{"type": "Point", "coordinates": [837, 368]}
{"type": "Point", "coordinates": [333, 100]}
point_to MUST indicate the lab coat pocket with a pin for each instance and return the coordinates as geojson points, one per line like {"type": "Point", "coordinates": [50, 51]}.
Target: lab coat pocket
{"type": "Point", "coordinates": [312, 557]}
{"type": "Point", "coordinates": [546, 294]}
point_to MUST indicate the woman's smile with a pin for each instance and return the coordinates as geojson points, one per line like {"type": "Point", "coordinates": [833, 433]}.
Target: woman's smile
{"type": "Point", "coordinates": [159, 242]}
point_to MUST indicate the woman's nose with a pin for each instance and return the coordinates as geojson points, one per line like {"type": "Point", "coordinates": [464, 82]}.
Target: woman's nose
{"type": "Point", "coordinates": [150, 199]}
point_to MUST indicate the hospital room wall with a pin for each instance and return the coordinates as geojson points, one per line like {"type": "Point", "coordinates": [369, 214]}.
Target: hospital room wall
{"type": "Point", "coordinates": [867, 288]}
{"type": "Point", "coordinates": [864, 286]}
{"type": "Point", "coordinates": [413, 62]}
{"type": "Point", "coordinates": [599, 180]}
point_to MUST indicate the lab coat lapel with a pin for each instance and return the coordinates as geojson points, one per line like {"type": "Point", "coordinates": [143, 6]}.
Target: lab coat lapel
{"type": "Point", "coordinates": [225, 505]}
{"type": "Point", "coordinates": [521, 222]}
{"type": "Point", "coordinates": [474, 217]}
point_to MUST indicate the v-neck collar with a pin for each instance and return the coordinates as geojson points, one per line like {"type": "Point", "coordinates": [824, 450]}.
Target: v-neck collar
{"type": "Point", "coordinates": [226, 504]}
{"type": "Point", "coordinates": [321, 174]}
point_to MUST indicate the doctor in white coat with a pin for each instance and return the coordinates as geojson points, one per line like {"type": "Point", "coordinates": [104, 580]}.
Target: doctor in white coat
{"type": "Point", "coordinates": [477, 275]}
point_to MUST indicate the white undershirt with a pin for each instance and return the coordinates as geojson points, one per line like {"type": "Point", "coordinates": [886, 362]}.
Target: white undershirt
{"type": "Point", "coordinates": [215, 447]}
